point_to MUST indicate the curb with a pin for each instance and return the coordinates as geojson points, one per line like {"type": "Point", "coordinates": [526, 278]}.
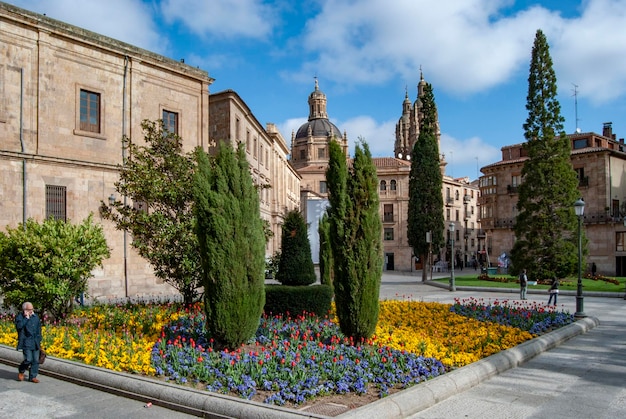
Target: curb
{"type": "Point", "coordinates": [427, 394]}
{"type": "Point", "coordinates": [214, 405]}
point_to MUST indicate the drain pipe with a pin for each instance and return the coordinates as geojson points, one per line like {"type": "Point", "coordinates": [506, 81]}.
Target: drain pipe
{"type": "Point", "coordinates": [124, 164]}
{"type": "Point", "coordinates": [24, 188]}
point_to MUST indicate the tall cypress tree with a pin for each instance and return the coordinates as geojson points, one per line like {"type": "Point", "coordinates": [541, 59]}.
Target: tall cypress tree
{"type": "Point", "coordinates": [356, 242]}
{"type": "Point", "coordinates": [425, 184]}
{"type": "Point", "coordinates": [546, 225]}
{"type": "Point", "coordinates": [326, 253]}
{"type": "Point", "coordinates": [296, 265]}
{"type": "Point", "coordinates": [232, 245]}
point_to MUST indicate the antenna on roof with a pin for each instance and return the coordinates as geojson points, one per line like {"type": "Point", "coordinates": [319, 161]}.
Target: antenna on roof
{"type": "Point", "coordinates": [576, 106]}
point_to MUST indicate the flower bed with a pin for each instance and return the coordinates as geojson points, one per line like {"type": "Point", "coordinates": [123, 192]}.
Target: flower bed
{"type": "Point", "coordinates": [292, 360]}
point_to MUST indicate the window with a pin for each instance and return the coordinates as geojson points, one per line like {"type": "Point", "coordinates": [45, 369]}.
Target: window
{"type": "Point", "coordinates": [248, 141]}
{"type": "Point", "coordinates": [456, 195]}
{"type": "Point", "coordinates": [388, 213]}
{"type": "Point", "coordinates": [582, 179]}
{"type": "Point", "coordinates": [580, 143]}
{"type": "Point", "coordinates": [261, 155]}
{"type": "Point", "coordinates": [472, 243]}
{"type": "Point", "coordinates": [392, 185]}
{"type": "Point", "coordinates": [254, 148]}
{"type": "Point", "coordinates": [89, 111]}
{"type": "Point", "coordinates": [515, 180]}
{"type": "Point", "coordinates": [457, 215]}
{"type": "Point", "coordinates": [388, 234]}
{"type": "Point", "coordinates": [56, 202]}
{"type": "Point", "coordinates": [302, 154]}
{"type": "Point", "coordinates": [323, 187]}
{"type": "Point", "coordinates": [619, 241]}
{"type": "Point", "coordinates": [448, 214]}
{"type": "Point", "coordinates": [237, 129]}
{"type": "Point", "coordinates": [321, 153]}
{"type": "Point", "coordinates": [383, 185]}
{"type": "Point", "coordinates": [170, 121]}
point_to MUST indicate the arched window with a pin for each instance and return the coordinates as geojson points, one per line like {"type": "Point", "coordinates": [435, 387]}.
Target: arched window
{"type": "Point", "coordinates": [456, 195]}
{"type": "Point", "coordinates": [383, 185]}
{"type": "Point", "coordinates": [392, 185]}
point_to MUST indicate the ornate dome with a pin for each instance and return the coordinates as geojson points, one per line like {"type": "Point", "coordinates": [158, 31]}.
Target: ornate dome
{"type": "Point", "coordinates": [318, 124]}
{"type": "Point", "coordinates": [321, 127]}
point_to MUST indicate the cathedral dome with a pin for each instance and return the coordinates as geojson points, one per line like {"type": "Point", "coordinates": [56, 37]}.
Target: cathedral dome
{"type": "Point", "coordinates": [321, 127]}
{"type": "Point", "coordinates": [318, 124]}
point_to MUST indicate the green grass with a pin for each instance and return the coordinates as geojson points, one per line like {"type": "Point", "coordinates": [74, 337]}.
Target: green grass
{"type": "Point", "coordinates": [511, 282]}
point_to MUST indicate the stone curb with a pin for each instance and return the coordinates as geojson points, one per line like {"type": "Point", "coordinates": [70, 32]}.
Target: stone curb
{"type": "Point", "coordinates": [427, 394]}
{"type": "Point", "coordinates": [171, 396]}
{"type": "Point", "coordinates": [213, 405]}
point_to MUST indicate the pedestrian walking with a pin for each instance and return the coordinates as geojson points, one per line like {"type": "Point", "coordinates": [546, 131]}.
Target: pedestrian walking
{"type": "Point", "coordinates": [28, 328]}
{"type": "Point", "coordinates": [523, 283]}
{"type": "Point", "coordinates": [593, 269]}
{"type": "Point", "coordinates": [554, 290]}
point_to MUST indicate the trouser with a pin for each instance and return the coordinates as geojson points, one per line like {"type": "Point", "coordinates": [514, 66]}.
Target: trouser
{"type": "Point", "coordinates": [553, 294]}
{"type": "Point", "coordinates": [522, 293]}
{"type": "Point", "coordinates": [30, 363]}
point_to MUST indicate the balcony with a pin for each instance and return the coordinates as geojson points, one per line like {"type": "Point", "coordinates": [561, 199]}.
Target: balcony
{"type": "Point", "coordinates": [467, 198]}
{"type": "Point", "coordinates": [511, 189]}
{"type": "Point", "coordinates": [503, 223]}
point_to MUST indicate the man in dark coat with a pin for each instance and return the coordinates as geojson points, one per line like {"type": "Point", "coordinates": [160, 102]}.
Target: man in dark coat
{"type": "Point", "coordinates": [28, 328]}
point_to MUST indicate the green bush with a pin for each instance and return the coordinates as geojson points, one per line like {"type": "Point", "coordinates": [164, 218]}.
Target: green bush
{"type": "Point", "coordinates": [49, 264]}
{"type": "Point", "coordinates": [283, 299]}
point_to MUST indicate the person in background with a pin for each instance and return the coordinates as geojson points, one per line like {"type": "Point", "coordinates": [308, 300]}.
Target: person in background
{"type": "Point", "coordinates": [28, 328]}
{"type": "Point", "coordinates": [593, 269]}
{"type": "Point", "coordinates": [554, 290]}
{"type": "Point", "coordinates": [523, 283]}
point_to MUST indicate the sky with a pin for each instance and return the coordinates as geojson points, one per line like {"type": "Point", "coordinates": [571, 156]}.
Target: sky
{"type": "Point", "coordinates": [367, 54]}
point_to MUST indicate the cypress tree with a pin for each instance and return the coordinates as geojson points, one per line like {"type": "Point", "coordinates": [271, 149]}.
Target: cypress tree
{"type": "Point", "coordinates": [546, 225]}
{"type": "Point", "coordinates": [232, 245]}
{"type": "Point", "coordinates": [425, 185]}
{"type": "Point", "coordinates": [326, 253]}
{"type": "Point", "coordinates": [356, 242]}
{"type": "Point", "coordinates": [296, 265]}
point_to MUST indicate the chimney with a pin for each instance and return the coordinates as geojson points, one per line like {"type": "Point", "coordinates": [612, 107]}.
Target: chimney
{"type": "Point", "coordinates": [607, 130]}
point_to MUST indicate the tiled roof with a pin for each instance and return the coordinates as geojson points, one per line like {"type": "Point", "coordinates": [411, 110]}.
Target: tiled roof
{"type": "Point", "coordinates": [387, 162]}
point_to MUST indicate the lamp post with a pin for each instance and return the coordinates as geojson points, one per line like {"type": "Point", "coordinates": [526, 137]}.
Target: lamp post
{"type": "Point", "coordinates": [579, 209]}
{"type": "Point", "coordinates": [452, 285]}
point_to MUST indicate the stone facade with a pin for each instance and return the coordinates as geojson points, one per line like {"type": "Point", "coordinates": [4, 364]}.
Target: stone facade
{"type": "Point", "coordinates": [267, 152]}
{"type": "Point", "coordinates": [600, 162]}
{"type": "Point", "coordinates": [67, 98]}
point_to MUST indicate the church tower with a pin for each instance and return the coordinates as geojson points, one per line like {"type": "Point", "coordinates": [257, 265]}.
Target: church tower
{"type": "Point", "coordinates": [408, 126]}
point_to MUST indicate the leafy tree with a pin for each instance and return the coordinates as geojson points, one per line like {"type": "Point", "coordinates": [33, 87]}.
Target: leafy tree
{"type": "Point", "coordinates": [425, 184]}
{"type": "Point", "coordinates": [546, 225]}
{"type": "Point", "coordinates": [158, 179]}
{"type": "Point", "coordinates": [296, 265]}
{"type": "Point", "coordinates": [49, 263]}
{"type": "Point", "coordinates": [232, 245]}
{"type": "Point", "coordinates": [326, 253]}
{"type": "Point", "coordinates": [356, 242]}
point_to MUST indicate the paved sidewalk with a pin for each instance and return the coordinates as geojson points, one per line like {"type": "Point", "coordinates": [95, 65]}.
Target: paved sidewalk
{"type": "Point", "coordinates": [581, 377]}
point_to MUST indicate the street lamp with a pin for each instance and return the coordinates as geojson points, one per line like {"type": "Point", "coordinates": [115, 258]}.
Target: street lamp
{"type": "Point", "coordinates": [579, 209]}
{"type": "Point", "coordinates": [452, 285]}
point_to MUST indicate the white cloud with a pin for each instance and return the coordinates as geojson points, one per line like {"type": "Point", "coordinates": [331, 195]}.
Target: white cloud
{"type": "Point", "coordinates": [466, 46]}
{"type": "Point", "coordinates": [223, 18]}
{"type": "Point", "coordinates": [379, 137]}
{"type": "Point", "coordinates": [130, 21]}
{"type": "Point", "coordinates": [466, 156]}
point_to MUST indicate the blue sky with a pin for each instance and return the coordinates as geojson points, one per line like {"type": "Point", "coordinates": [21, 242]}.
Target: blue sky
{"type": "Point", "coordinates": [367, 53]}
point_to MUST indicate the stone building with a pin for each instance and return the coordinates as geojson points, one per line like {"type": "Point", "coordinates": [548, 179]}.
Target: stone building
{"type": "Point", "coordinates": [231, 120]}
{"type": "Point", "coordinates": [600, 162]}
{"type": "Point", "coordinates": [67, 98]}
{"type": "Point", "coordinates": [310, 158]}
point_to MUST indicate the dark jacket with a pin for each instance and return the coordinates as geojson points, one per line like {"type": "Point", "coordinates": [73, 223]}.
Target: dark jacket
{"type": "Point", "coordinates": [554, 285]}
{"type": "Point", "coordinates": [28, 332]}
